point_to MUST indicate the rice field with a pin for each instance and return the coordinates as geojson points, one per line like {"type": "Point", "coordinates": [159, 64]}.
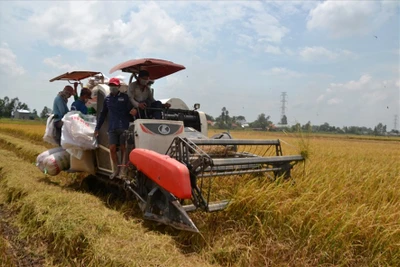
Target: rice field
{"type": "Point", "coordinates": [342, 208]}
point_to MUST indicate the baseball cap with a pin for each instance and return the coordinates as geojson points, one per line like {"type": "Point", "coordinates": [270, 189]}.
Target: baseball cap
{"type": "Point", "coordinates": [114, 81]}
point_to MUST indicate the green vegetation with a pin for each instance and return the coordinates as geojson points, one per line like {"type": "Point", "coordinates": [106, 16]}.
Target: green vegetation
{"type": "Point", "coordinates": [263, 123]}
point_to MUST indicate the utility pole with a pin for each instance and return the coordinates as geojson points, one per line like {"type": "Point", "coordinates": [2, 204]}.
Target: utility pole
{"type": "Point", "coordinates": [283, 108]}
{"type": "Point", "coordinates": [395, 121]}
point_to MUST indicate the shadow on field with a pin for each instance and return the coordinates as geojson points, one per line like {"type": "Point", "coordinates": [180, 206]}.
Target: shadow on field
{"type": "Point", "coordinates": [113, 195]}
{"type": "Point", "coordinates": [48, 181]}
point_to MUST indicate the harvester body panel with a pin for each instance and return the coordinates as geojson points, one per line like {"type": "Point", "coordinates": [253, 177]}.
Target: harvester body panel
{"type": "Point", "coordinates": [156, 135]}
{"type": "Point", "coordinates": [165, 171]}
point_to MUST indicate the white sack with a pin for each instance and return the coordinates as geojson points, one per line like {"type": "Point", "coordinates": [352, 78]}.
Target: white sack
{"type": "Point", "coordinates": [50, 133]}
{"type": "Point", "coordinates": [57, 162]}
{"type": "Point", "coordinates": [78, 131]}
{"type": "Point", "coordinates": [41, 157]}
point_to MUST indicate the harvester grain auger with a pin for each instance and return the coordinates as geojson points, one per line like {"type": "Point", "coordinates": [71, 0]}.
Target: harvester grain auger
{"type": "Point", "coordinates": [174, 168]}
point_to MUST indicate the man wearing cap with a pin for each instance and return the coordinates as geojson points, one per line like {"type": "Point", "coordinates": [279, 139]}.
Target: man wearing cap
{"type": "Point", "coordinates": [60, 108]}
{"type": "Point", "coordinates": [80, 103]}
{"type": "Point", "coordinates": [142, 97]}
{"type": "Point", "coordinates": [119, 110]}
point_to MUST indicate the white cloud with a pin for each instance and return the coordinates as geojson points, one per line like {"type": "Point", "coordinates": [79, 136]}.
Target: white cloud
{"type": "Point", "coordinates": [119, 29]}
{"type": "Point", "coordinates": [282, 72]}
{"type": "Point", "coordinates": [348, 18]}
{"type": "Point", "coordinates": [364, 91]}
{"type": "Point", "coordinates": [217, 41]}
{"type": "Point", "coordinates": [267, 27]}
{"type": "Point", "coordinates": [364, 101]}
{"type": "Point", "coordinates": [358, 85]}
{"type": "Point", "coordinates": [263, 30]}
{"type": "Point", "coordinates": [273, 50]}
{"type": "Point", "coordinates": [318, 53]}
{"type": "Point", "coordinates": [320, 98]}
{"type": "Point", "coordinates": [56, 62]}
{"type": "Point", "coordinates": [294, 7]}
{"type": "Point", "coordinates": [289, 52]}
{"type": "Point", "coordinates": [160, 34]}
{"type": "Point", "coordinates": [105, 33]}
{"type": "Point", "coordinates": [334, 101]}
{"type": "Point", "coordinates": [100, 30]}
{"type": "Point", "coordinates": [245, 40]}
{"type": "Point", "coordinates": [8, 61]}
{"type": "Point", "coordinates": [374, 96]}
{"type": "Point", "coordinates": [351, 85]}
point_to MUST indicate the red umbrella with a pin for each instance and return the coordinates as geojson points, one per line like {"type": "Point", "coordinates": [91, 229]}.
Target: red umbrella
{"type": "Point", "coordinates": [157, 68]}
{"type": "Point", "coordinates": [75, 75]}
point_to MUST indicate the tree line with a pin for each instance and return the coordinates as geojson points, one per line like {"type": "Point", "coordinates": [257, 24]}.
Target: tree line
{"type": "Point", "coordinates": [263, 122]}
{"type": "Point", "coordinates": [9, 106]}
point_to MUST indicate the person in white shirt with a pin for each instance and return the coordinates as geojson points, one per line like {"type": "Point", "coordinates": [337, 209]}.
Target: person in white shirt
{"type": "Point", "coordinates": [141, 97]}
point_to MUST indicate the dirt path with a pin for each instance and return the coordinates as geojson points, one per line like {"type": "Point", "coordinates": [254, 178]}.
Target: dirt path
{"type": "Point", "coordinates": [13, 250]}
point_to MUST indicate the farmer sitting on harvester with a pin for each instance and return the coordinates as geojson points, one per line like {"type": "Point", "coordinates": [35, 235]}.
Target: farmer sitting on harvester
{"type": "Point", "coordinates": [60, 108]}
{"type": "Point", "coordinates": [80, 103]}
{"type": "Point", "coordinates": [141, 97]}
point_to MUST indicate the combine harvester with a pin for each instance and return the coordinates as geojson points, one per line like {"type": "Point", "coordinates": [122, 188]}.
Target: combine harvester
{"type": "Point", "coordinates": [174, 168]}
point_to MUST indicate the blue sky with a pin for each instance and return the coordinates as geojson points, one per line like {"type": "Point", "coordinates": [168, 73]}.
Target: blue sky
{"type": "Point", "coordinates": [338, 61]}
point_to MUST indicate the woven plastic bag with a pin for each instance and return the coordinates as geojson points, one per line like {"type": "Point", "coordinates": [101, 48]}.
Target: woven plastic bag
{"type": "Point", "coordinates": [50, 133]}
{"type": "Point", "coordinates": [42, 156]}
{"type": "Point", "coordinates": [57, 162]}
{"type": "Point", "coordinates": [78, 131]}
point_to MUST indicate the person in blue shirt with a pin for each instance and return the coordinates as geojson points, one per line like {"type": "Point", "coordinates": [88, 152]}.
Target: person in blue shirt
{"type": "Point", "coordinates": [60, 108]}
{"type": "Point", "coordinates": [80, 103]}
{"type": "Point", "coordinates": [119, 110]}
